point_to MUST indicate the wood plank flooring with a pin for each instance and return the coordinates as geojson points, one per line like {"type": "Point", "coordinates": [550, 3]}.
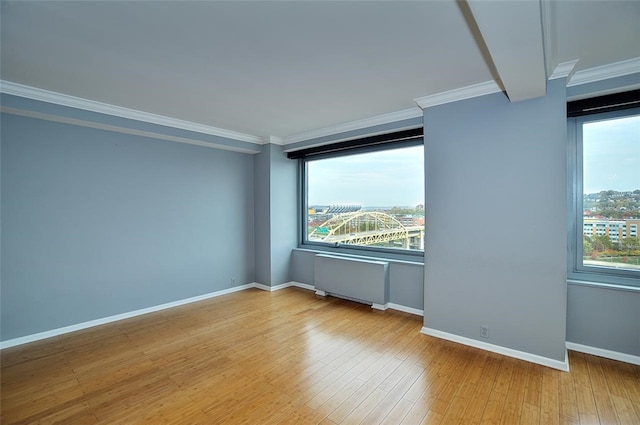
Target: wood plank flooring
{"type": "Point", "coordinates": [289, 357]}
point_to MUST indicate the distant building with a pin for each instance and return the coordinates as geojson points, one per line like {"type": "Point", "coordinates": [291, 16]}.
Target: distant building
{"type": "Point", "coordinates": [322, 213]}
{"type": "Point", "coordinates": [418, 221]}
{"type": "Point", "coordinates": [333, 209]}
{"type": "Point", "coordinates": [615, 229]}
{"type": "Point", "coordinates": [404, 219]}
{"type": "Point", "coordinates": [409, 220]}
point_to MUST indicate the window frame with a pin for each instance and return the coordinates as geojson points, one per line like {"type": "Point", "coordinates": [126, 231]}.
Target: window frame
{"type": "Point", "coordinates": [577, 270]}
{"type": "Point", "coordinates": [411, 255]}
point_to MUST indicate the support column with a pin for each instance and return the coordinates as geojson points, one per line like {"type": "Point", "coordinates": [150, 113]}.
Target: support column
{"type": "Point", "coordinates": [276, 214]}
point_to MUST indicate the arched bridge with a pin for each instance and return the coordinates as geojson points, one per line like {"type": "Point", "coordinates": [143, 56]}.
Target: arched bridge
{"type": "Point", "coordinates": [367, 228]}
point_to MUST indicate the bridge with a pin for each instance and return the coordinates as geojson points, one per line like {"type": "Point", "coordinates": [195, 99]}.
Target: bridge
{"type": "Point", "coordinates": [368, 228]}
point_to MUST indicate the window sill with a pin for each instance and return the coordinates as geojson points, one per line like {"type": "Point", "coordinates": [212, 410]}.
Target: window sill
{"type": "Point", "coordinates": [396, 259]}
{"type": "Point", "coordinates": [603, 285]}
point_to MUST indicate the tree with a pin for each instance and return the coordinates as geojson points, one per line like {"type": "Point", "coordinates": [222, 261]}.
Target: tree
{"type": "Point", "coordinates": [601, 243]}
{"type": "Point", "coordinates": [586, 244]}
{"type": "Point", "coordinates": [629, 244]}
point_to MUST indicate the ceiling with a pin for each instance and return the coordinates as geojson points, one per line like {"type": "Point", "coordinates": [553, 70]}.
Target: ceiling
{"type": "Point", "coordinates": [286, 68]}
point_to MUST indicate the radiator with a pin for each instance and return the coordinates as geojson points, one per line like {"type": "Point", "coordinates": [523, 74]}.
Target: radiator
{"type": "Point", "coordinates": [362, 280]}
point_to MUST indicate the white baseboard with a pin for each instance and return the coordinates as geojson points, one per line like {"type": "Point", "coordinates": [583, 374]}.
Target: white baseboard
{"type": "Point", "coordinates": [533, 358]}
{"type": "Point", "coordinates": [303, 285]}
{"type": "Point", "coordinates": [110, 319]}
{"type": "Point", "coordinates": [601, 352]}
{"type": "Point", "coordinates": [397, 307]}
{"type": "Point", "coordinates": [283, 285]}
{"type": "Point", "coordinates": [405, 309]}
{"type": "Point", "coordinates": [389, 306]}
{"type": "Point", "coordinates": [263, 287]}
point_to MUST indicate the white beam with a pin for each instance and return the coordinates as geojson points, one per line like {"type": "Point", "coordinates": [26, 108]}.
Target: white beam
{"type": "Point", "coordinates": [512, 32]}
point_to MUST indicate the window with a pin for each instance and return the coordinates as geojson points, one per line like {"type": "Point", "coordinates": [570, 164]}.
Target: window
{"type": "Point", "coordinates": [606, 198]}
{"type": "Point", "coordinates": [368, 197]}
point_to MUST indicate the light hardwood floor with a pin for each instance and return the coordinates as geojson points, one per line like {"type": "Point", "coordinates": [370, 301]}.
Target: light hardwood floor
{"type": "Point", "coordinates": [289, 357]}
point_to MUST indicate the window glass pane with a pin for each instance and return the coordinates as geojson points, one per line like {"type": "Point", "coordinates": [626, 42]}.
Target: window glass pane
{"type": "Point", "coordinates": [611, 187]}
{"type": "Point", "coordinates": [373, 199]}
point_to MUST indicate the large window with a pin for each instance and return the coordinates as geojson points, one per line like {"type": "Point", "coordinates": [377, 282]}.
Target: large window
{"type": "Point", "coordinates": [606, 233]}
{"type": "Point", "coordinates": [370, 198]}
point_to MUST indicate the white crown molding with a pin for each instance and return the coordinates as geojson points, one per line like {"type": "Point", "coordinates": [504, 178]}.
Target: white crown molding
{"type": "Point", "coordinates": [344, 139]}
{"type": "Point", "coordinates": [468, 92]}
{"type": "Point", "coordinates": [354, 125]}
{"type": "Point", "coordinates": [124, 130]}
{"type": "Point", "coordinates": [563, 70]}
{"type": "Point", "coordinates": [620, 89]}
{"type": "Point", "coordinates": [604, 72]}
{"type": "Point", "coordinates": [275, 140]}
{"type": "Point", "coordinates": [533, 358]}
{"type": "Point", "coordinates": [34, 93]}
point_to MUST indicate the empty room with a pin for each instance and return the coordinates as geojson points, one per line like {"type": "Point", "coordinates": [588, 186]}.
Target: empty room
{"type": "Point", "coordinates": [320, 212]}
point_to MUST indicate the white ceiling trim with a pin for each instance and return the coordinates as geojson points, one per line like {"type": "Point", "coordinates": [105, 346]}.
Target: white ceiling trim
{"type": "Point", "coordinates": [617, 69]}
{"type": "Point", "coordinates": [603, 92]}
{"type": "Point", "coordinates": [347, 138]}
{"type": "Point", "coordinates": [563, 70]}
{"type": "Point", "coordinates": [34, 93]}
{"type": "Point", "coordinates": [273, 140]}
{"type": "Point", "coordinates": [476, 90]}
{"type": "Point", "coordinates": [355, 125]}
{"type": "Point", "coordinates": [123, 130]}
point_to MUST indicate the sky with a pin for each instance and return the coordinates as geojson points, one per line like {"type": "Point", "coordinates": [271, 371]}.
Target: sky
{"type": "Point", "coordinates": [611, 152]}
{"type": "Point", "coordinates": [377, 179]}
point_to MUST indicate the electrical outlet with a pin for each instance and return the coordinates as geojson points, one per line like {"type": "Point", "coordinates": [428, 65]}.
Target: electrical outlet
{"type": "Point", "coordinates": [484, 331]}
{"type": "Point", "coordinates": [233, 281]}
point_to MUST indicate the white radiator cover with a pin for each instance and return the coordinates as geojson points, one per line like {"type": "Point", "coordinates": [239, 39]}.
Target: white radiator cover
{"type": "Point", "coordinates": [359, 279]}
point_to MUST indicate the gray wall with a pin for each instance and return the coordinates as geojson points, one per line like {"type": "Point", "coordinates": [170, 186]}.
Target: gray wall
{"type": "Point", "coordinates": [406, 280]}
{"type": "Point", "coordinates": [302, 266]}
{"type": "Point", "coordinates": [406, 284]}
{"type": "Point", "coordinates": [495, 250]}
{"type": "Point", "coordinates": [96, 223]}
{"type": "Point", "coordinates": [276, 214]}
{"type": "Point", "coordinates": [604, 318]}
